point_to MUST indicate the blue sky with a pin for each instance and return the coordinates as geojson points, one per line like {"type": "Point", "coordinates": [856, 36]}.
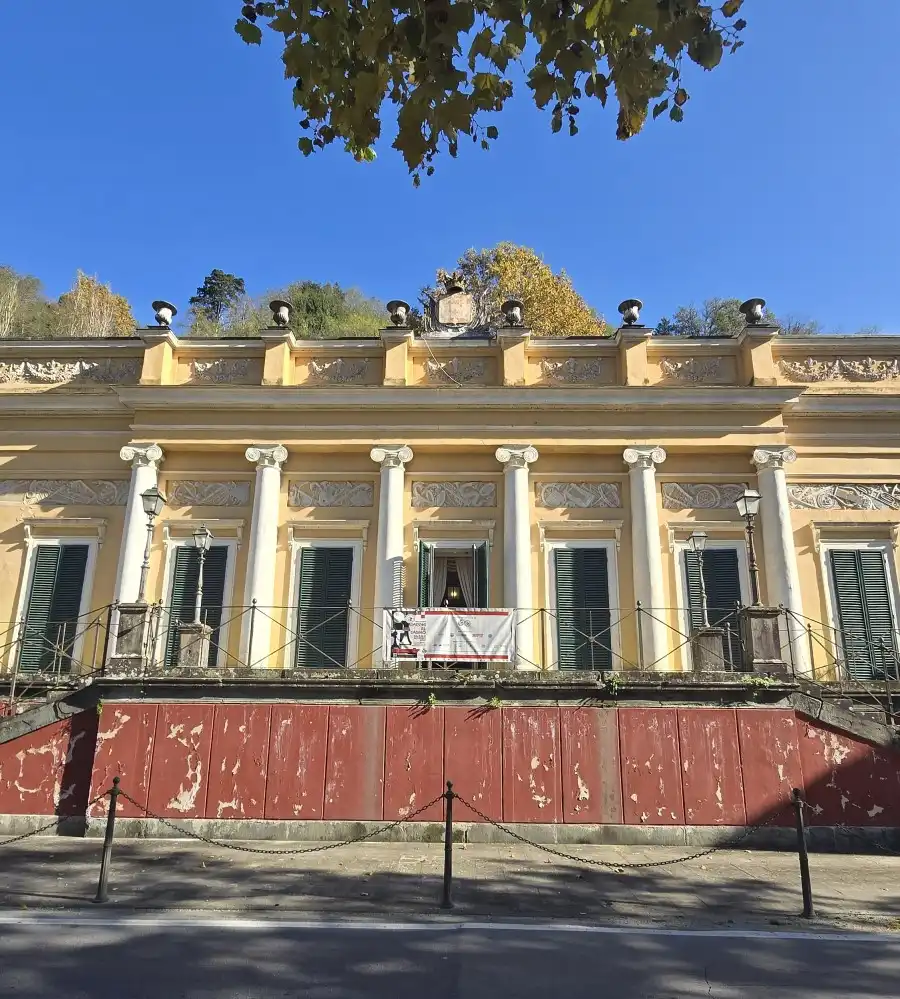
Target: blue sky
{"type": "Point", "coordinates": [145, 143]}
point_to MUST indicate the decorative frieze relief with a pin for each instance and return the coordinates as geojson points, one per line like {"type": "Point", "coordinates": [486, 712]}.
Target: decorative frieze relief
{"type": "Point", "coordinates": [839, 369]}
{"type": "Point", "coordinates": [455, 371]}
{"type": "Point", "coordinates": [192, 492]}
{"type": "Point", "coordinates": [429, 495]}
{"type": "Point", "coordinates": [63, 492]}
{"type": "Point", "coordinates": [338, 370]}
{"type": "Point", "coordinates": [578, 495]}
{"type": "Point", "coordinates": [701, 495]}
{"type": "Point", "coordinates": [845, 496]}
{"type": "Point", "coordinates": [692, 369]}
{"type": "Point", "coordinates": [219, 371]}
{"type": "Point", "coordinates": [70, 372]}
{"type": "Point", "coordinates": [573, 370]}
{"type": "Point", "coordinates": [330, 493]}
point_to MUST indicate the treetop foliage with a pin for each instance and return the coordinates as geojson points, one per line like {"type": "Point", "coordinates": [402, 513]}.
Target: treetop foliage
{"type": "Point", "coordinates": [445, 63]}
{"type": "Point", "coordinates": [723, 317]}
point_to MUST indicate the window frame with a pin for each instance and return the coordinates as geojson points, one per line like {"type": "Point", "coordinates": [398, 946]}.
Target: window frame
{"type": "Point", "coordinates": [551, 645]}
{"type": "Point", "coordinates": [455, 545]}
{"type": "Point", "coordinates": [887, 549]}
{"type": "Point", "coordinates": [357, 546]}
{"type": "Point", "coordinates": [87, 588]}
{"type": "Point", "coordinates": [232, 544]}
{"type": "Point", "coordinates": [681, 546]}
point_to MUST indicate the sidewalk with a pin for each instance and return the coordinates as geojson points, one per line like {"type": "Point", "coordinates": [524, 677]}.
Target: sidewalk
{"type": "Point", "coordinates": [387, 880]}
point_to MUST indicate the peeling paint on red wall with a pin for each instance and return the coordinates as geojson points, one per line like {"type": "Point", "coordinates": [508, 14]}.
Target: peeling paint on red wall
{"type": "Point", "coordinates": [591, 777]}
{"type": "Point", "coordinates": [125, 735]}
{"type": "Point", "coordinates": [354, 781]}
{"type": "Point", "coordinates": [651, 766]}
{"type": "Point", "coordinates": [413, 761]}
{"type": "Point", "coordinates": [238, 760]}
{"type": "Point", "coordinates": [180, 773]}
{"type": "Point", "coordinates": [531, 780]}
{"type": "Point", "coordinates": [770, 763]}
{"type": "Point", "coordinates": [472, 745]}
{"type": "Point", "coordinates": [296, 770]}
{"type": "Point", "coordinates": [710, 767]}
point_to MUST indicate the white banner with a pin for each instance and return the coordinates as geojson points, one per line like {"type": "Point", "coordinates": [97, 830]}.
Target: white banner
{"type": "Point", "coordinates": [445, 634]}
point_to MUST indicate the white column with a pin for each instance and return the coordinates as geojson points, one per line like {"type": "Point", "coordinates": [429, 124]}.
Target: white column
{"type": "Point", "coordinates": [779, 550]}
{"type": "Point", "coordinates": [260, 585]}
{"type": "Point", "coordinates": [518, 591]}
{"type": "Point", "coordinates": [389, 550]}
{"type": "Point", "coordinates": [145, 460]}
{"type": "Point", "coordinates": [646, 549]}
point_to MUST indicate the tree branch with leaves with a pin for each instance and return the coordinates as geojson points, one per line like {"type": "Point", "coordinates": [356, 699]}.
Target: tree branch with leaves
{"type": "Point", "coordinates": [445, 63]}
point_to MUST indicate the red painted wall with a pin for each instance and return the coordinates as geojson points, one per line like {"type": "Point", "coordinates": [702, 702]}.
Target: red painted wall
{"type": "Point", "coordinates": [640, 765]}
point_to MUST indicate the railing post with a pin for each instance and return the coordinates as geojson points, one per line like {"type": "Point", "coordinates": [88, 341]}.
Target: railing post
{"type": "Point", "coordinates": [102, 895]}
{"type": "Point", "coordinates": [803, 853]}
{"type": "Point", "coordinates": [809, 642]}
{"type": "Point", "coordinates": [446, 899]}
{"type": "Point", "coordinates": [250, 630]}
{"type": "Point", "coordinates": [109, 616]}
{"type": "Point", "coordinates": [640, 636]}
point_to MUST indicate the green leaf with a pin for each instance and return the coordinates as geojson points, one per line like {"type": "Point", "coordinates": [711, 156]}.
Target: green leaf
{"type": "Point", "coordinates": [492, 131]}
{"type": "Point", "coordinates": [251, 33]}
{"type": "Point", "coordinates": [731, 7]}
{"type": "Point", "coordinates": [515, 35]}
{"type": "Point", "coordinates": [305, 145]}
{"type": "Point", "coordinates": [658, 110]}
{"type": "Point", "coordinates": [677, 114]}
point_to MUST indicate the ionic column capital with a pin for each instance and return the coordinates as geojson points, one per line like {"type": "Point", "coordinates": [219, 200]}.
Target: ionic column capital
{"type": "Point", "coordinates": [516, 456]}
{"type": "Point", "coordinates": [773, 457]}
{"type": "Point", "coordinates": [142, 455]}
{"type": "Point", "coordinates": [267, 456]}
{"type": "Point", "coordinates": [391, 455]}
{"type": "Point", "coordinates": [644, 457]}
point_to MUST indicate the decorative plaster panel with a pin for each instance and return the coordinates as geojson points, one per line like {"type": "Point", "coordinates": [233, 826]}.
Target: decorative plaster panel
{"type": "Point", "coordinates": [857, 369]}
{"type": "Point", "coordinates": [220, 371]}
{"type": "Point", "coordinates": [840, 496]}
{"type": "Point", "coordinates": [455, 370]}
{"type": "Point", "coordinates": [692, 369]}
{"type": "Point", "coordinates": [330, 493]}
{"type": "Point", "coordinates": [191, 492]}
{"type": "Point", "coordinates": [426, 495]}
{"type": "Point", "coordinates": [69, 372]}
{"type": "Point", "coordinates": [701, 495]}
{"type": "Point", "coordinates": [578, 495]}
{"type": "Point", "coordinates": [340, 370]}
{"type": "Point", "coordinates": [62, 492]}
{"type": "Point", "coordinates": [573, 369]}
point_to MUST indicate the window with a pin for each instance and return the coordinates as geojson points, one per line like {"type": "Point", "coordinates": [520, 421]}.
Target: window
{"type": "Point", "coordinates": [55, 594]}
{"type": "Point", "coordinates": [453, 575]}
{"type": "Point", "coordinates": [324, 597]}
{"type": "Point", "coordinates": [722, 581]}
{"type": "Point", "coordinates": [183, 597]}
{"type": "Point", "coordinates": [582, 587]}
{"type": "Point", "coordinates": [864, 614]}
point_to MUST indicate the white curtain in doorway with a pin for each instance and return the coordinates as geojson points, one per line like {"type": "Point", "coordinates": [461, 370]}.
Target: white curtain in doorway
{"type": "Point", "coordinates": [466, 572]}
{"type": "Point", "coordinates": [439, 579]}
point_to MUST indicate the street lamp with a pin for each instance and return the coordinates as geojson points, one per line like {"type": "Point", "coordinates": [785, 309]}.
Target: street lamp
{"type": "Point", "coordinates": [202, 538]}
{"type": "Point", "coordinates": [748, 507]}
{"type": "Point", "coordinates": [153, 502]}
{"type": "Point", "coordinates": [698, 541]}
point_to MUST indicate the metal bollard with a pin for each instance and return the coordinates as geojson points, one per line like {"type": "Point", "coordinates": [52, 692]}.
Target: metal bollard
{"type": "Point", "coordinates": [446, 900]}
{"type": "Point", "coordinates": [102, 895]}
{"type": "Point", "coordinates": [803, 852]}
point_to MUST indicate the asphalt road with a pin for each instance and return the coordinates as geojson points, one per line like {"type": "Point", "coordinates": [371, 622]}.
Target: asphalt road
{"type": "Point", "coordinates": [85, 956]}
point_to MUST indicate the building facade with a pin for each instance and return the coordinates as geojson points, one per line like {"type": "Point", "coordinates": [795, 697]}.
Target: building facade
{"type": "Point", "coordinates": [562, 478]}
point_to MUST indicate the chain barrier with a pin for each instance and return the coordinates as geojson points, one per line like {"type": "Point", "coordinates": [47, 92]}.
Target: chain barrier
{"type": "Point", "coordinates": [50, 825]}
{"type": "Point", "coordinates": [309, 849]}
{"type": "Point", "coordinates": [612, 865]}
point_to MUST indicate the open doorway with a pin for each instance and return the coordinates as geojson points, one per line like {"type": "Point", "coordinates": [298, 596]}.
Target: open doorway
{"type": "Point", "coordinates": [453, 576]}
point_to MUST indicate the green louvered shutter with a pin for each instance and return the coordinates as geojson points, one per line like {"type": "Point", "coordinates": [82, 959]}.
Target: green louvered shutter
{"type": "Point", "coordinates": [864, 612]}
{"type": "Point", "coordinates": [426, 558]}
{"type": "Point", "coordinates": [482, 579]}
{"type": "Point", "coordinates": [323, 607]}
{"type": "Point", "coordinates": [722, 578]}
{"type": "Point", "coordinates": [54, 603]}
{"type": "Point", "coordinates": [583, 618]}
{"type": "Point", "coordinates": [183, 595]}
